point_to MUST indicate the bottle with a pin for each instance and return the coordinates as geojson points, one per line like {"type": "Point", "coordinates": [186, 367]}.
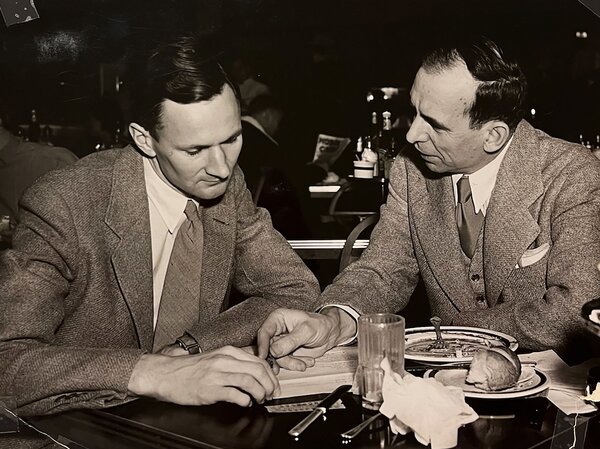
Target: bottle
{"type": "Point", "coordinates": [387, 145]}
{"type": "Point", "coordinates": [359, 149]}
{"type": "Point", "coordinates": [47, 135]}
{"type": "Point", "coordinates": [34, 131]}
{"type": "Point", "coordinates": [596, 149]}
{"type": "Point", "coordinates": [368, 155]}
{"type": "Point", "coordinates": [374, 131]}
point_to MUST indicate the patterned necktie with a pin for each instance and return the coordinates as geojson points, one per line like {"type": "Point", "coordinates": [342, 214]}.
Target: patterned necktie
{"type": "Point", "coordinates": [179, 303]}
{"type": "Point", "coordinates": [469, 223]}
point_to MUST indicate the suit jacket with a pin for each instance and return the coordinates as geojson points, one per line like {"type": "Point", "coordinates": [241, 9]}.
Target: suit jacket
{"type": "Point", "coordinates": [76, 290]}
{"type": "Point", "coordinates": [547, 192]}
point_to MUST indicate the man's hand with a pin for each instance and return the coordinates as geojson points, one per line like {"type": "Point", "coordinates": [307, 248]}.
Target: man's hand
{"type": "Point", "coordinates": [173, 350]}
{"type": "Point", "coordinates": [303, 334]}
{"type": "Point", "coordinates": [227, 374]}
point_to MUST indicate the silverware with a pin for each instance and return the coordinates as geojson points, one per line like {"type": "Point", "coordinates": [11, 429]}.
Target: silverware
{"type": "Point", "coordinates": [452, 365]}
{"type": "Point", "coordinates": [319, 410]}
{"type": "Point", "coordinates": [349, 434]}
{"type": "Point", "coordinates": [439, 342]}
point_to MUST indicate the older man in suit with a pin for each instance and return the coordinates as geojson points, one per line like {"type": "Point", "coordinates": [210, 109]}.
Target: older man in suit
{"type": "Point", "coordinates": [117, 285]}
{"type": "Point", "coordinates": [501, 221]}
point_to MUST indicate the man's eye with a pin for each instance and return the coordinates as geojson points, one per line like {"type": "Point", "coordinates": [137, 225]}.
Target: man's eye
{"type": "Point", "coordinates": [193, 152]}
{"type": "Point", "coordinates": [232, 140]}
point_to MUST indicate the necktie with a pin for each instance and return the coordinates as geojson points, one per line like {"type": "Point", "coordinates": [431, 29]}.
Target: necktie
{"type": "Point", "coordinates": [469, 223]}
{"type": "Point", "coordinates": [179, 302]}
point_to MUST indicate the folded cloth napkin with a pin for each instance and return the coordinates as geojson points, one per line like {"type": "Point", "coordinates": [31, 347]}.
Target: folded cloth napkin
{"type": "Point", "coordinates": [567, 383]}
{"type": "Point", "coordinates": [434, 412]}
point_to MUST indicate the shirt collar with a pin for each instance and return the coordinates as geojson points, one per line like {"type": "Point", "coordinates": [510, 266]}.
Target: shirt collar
{"type": "Point", "coordinates": [482, 181]}
{"type": "Point", "coordinates": [169, 203]}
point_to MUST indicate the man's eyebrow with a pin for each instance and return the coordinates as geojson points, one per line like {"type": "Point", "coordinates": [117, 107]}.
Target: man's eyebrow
{"type": "Point", "coordinates": [234, 136]}
{"type": "Point", "coordinates": [433, 122]}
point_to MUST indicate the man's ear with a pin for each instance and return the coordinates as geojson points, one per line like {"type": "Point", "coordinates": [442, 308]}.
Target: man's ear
{"type": "Point", "coordinates": [142, 139]}
{"type": "Point", "coordinates": [497, 135]}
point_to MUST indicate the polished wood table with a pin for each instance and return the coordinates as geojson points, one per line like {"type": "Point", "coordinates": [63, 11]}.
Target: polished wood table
{"type": "Point", "coordinates": [513, 423]}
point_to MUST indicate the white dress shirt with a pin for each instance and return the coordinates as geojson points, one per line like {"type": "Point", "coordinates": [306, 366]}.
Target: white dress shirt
{"type": "Point", "coordinates": [482, 182]}
{"type": "Point", "coordinates": [166, 207]}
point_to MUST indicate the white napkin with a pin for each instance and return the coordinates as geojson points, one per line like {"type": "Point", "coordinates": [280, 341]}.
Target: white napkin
{"type": "Point", "coordinates": [567, 384]}
{"type": "Point", "coordinates": [431, 410]}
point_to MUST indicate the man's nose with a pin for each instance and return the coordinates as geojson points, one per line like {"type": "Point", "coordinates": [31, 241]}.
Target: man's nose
{"type": "Point", "coordinates": [416, 132]}
{"type": "Point", "coordinates": [217, 163]}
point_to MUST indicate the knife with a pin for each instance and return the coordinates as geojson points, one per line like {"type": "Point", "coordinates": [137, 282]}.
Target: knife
{"type": "Point", "coordinates": [319, 410]}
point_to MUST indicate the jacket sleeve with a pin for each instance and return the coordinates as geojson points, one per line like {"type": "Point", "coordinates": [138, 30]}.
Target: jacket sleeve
{"type": "Point", "coordinates": [35, 282]}
{"type": "Point", "coordinates": [266, 270]}
{"type": "Point", "coordinates": [386, 274]}
{"type": "Point", "coordinates": [544, 308]}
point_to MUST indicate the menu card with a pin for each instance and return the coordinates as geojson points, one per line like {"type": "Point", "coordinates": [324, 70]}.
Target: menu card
{"type": "Point", "coordinates": [329, 149]}
{"type": "Point", "coordinates": [334, 368]}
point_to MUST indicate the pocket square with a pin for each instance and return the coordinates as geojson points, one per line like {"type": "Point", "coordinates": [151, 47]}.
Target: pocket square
{"type": "Point", "coordinates": [532, 256]}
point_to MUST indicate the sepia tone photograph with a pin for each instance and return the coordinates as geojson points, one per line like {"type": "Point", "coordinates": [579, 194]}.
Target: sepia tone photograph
{"type": "Point", "coordinates": [262, 224]}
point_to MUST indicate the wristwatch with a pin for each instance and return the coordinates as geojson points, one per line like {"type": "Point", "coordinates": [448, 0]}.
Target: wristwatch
{"type": "Point", "coordinates": [189, 343]}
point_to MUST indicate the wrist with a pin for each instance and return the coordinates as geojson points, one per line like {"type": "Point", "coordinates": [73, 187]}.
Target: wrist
{"type": "Point", "coordinates": [139, 379]}
{"type": "Point", "coordinates": [343, 325]}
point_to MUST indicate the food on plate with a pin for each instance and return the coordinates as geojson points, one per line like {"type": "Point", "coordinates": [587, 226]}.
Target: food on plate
{"type": "Point", "coordinates": [494, 369]}
{"type": "Point", "coordinates": [461, 346]}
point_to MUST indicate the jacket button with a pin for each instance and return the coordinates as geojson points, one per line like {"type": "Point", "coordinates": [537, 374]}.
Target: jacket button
{"type": "Point", "coordinates": [480, 299]}
{"type": "Point", "coordinates": [475, 277]}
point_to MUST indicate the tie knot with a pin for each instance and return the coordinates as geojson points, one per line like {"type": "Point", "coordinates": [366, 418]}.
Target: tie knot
{"type": "Point", "coordinates": [464, 190]}
{"type": "Point", "coordinates": [191, 211]}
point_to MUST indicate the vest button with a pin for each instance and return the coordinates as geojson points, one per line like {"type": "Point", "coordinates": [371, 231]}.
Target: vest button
{"type": "Point", "coordinates": [480, 299]}
{"type": "Point", "coordinates": [475, 277]}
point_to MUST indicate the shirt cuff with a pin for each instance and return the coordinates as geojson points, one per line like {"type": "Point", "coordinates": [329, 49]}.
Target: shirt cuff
{"type": "Point", "coordinates": [350, 311]}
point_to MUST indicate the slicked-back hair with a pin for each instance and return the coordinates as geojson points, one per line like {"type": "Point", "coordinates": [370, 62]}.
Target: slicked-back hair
{"type": "Point", "coordinates": [184, 70]}
{"type": "Point", "coordinates": [502, 87]}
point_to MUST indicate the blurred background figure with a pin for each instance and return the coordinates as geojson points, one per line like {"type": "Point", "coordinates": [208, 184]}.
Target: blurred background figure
{"type": "Point", "coordinates": [244, 75]}
{"type": "Point", "coordinates": [104, 124]}
{"type": "Point", "coordinates": [267, 169]}
{"type": "Point", "coordinates": [22, 162]}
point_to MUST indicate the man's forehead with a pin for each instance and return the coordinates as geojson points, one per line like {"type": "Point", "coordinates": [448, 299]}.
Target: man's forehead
{"type": "Point", "coordinates": [452, 86]}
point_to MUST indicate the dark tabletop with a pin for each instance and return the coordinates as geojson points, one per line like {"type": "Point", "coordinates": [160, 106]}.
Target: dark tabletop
{"type": "Point", "coordinates": [513, 423]}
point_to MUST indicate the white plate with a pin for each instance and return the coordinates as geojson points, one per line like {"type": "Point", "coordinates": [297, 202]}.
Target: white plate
{"type": "Point", "coordinates": [531, 382]}
{"type": "Point", "coordinates": [463, 342]}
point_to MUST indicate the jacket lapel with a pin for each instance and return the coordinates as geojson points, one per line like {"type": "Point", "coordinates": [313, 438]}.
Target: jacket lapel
{"type": "Point", "coordinates": [127, 215]}
{"type": "Point", "coordinates": [435, 222]}
{"type": "Point", "coordinates": [509, 226]}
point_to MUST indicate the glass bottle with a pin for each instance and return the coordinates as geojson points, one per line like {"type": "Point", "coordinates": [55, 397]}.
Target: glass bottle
{"type": "Point", "coordinates": [33, 131]}
{"type": "Point", "coordinates": [387, 145]}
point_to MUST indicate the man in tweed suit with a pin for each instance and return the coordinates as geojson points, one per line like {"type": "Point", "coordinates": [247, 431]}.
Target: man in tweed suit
{"type": "Point", "coordinates": [534, 258]}
{"type": "Point", "coordinates": [81, 289]}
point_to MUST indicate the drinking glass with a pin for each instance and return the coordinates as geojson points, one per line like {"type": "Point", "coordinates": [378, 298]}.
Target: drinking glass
{"type": "Point", "coordinates": [380, 335]}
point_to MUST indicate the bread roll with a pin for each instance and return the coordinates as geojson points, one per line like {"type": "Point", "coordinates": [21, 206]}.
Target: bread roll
{"type": "Point", "coordinates": [494, 369]}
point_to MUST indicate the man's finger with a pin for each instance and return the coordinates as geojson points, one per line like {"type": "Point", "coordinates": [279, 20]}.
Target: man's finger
{"type": "Point", "coordinates": [267, 331]}
{"type": "Point", "coordinates": [288, 343]}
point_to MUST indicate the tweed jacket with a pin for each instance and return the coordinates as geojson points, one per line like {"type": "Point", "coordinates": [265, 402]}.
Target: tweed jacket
{"type": "Point", "coordinates": [76, 289]}
{"type": "Point", "coordinates": [547, 192]}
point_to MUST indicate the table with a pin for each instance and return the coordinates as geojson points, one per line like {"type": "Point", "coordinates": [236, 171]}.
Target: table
{"type": "Point", "coordinates": [144, 423]}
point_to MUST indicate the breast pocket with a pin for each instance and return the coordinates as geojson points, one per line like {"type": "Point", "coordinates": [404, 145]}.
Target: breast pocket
{"type": "Point", "coordinates": [527, 282]}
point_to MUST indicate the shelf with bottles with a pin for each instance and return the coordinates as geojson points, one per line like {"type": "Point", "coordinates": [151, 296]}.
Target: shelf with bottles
{"type": "Point", "coordinates": [591, 144]}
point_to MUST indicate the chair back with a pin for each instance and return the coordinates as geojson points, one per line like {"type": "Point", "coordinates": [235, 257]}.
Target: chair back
{"type": "Point", "coordinates": [348, 256]}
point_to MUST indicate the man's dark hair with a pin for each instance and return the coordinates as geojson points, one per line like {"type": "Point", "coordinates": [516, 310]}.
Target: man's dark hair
{"type": "Point", "coordinates": [184, 70]}
{"type": "Point", "coordinates": [500, 94]}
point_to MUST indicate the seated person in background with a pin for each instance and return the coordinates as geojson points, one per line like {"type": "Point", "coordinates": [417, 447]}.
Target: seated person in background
{"type": "Point", "coordinates": [118, 282]}
{"type": "Point", "coordinates": [500, 220]}
{"type": "Point", "coordinates": [268, 173]}
{"type": "Point", "coordinates": [21, 163]}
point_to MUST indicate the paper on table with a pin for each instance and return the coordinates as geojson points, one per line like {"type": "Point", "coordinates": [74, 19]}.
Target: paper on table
{"type": "Point", "coordinates": [336, 367]}
{"type": "Point", "coordinates": [567, 384]}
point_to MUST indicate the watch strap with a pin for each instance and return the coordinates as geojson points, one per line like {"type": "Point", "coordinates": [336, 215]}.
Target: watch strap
{"type": "Point", "coordinates": [189, 343]}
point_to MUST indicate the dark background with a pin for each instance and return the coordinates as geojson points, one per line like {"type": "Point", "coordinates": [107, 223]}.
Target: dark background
{"type": "Point", "coordinates": [76, 53]}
